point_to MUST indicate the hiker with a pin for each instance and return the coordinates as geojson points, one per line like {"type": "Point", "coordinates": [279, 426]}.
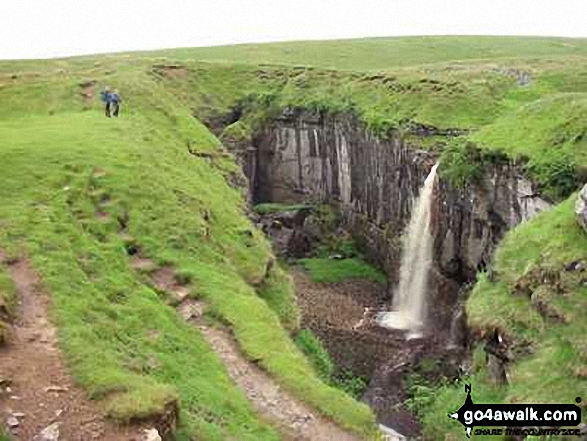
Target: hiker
{"type": "Point", "coordinates": [105, 96]}
{"type": "Point", "coordinates": [115, 101]}
{"type": "Point", "coordinates": [112, 100]}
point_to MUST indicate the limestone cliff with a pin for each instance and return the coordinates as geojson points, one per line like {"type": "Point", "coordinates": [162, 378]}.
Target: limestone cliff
{"type": "Point", "coordinates": [303, 156]}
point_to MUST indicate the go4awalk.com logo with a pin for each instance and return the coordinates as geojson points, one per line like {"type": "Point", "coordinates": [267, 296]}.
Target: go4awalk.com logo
{"type": "Point", "coordinates": [519, 419]}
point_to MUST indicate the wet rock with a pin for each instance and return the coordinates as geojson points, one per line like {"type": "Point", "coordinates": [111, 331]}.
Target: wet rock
{"type": "Point", "coordinates": [581, 208]}
{"type": "Point", "coordinates": [497, 371]}
{"type": "Point", "coordinates": [49, 433]}
{"type": "Point", "coordinates": [459, 331]}
{"type": "Point", "coordinates": [309, 157]}
{"type": "Point", "coordinates": [390, 434]}
{"type": "Point", "coordinates": [498, 357]}
{"type": "Point", "coordinates": [151, 435]}
{"type": "Point", "coordinates": [285, 230]}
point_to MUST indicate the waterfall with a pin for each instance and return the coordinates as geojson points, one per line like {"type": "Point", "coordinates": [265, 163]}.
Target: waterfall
{"type": "Point", "coordinates": [409, 305]}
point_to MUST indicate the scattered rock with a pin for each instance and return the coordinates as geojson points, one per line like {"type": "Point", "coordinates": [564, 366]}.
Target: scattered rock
{"type": "Point", "coordinates": [575, 265]}
{"type": "Point", "coordinates": [49, 433]}
{"type": "Point", "coordinates": [391, 435]}
{"type": "Point", "coordinates": [12, 422]}
{"type": "Point", "coordinates": [56, 389]}
{"type": "Point", "coordinates": [190, 309]}
{"type": "Point", "coordinates": [581, 208]}
{"type": "Point", "coordinates": [151, 435]}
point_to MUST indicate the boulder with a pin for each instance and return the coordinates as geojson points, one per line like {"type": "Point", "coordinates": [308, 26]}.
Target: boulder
{"type": "Point", "coordinates": [151, 435]}
{"type": "Point", "coordinates": [581, 208]}
{"type": "Point", "coordinates": [49, 433]}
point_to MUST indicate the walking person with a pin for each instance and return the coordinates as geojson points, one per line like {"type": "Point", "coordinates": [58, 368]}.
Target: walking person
{"type": "Point", "coordinates": [105, 95]}
{"type": "Point", "coordinates": [115, 101]}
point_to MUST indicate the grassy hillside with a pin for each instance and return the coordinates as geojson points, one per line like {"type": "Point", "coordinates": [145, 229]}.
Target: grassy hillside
{"type": "Point", "coordinates": [76, 187]}
{"type": "Point", "coordinates": [388, 53]}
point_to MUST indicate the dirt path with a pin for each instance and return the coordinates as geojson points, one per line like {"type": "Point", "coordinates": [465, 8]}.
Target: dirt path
{"type": "Point", "coordinates": [271, 401]}
{"type": "Point", "coordinates": [37, 390]}
{"type": "Point", "coordinates": [295, 420]}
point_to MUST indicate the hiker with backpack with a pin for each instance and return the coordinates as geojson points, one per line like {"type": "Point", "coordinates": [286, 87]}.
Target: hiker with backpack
{"type": "Point", "coordinates": [112, 100]}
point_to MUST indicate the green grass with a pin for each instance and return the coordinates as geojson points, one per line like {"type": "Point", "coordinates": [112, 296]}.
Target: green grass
{"type": "Point", "coordinates": [278, 291]}
{"type": "Point", "coordinates": [551, 132]}
{"type": "Point", "coordinates": [325, 270]}
{"type": "Point", "coordinates": [445, 82]}
{"type": "Point", "coordinates": [61, 165]}
{"type": "Point", "coordinates": [313, 348]}
{"type": "Point", "coordinates": [387, 53]}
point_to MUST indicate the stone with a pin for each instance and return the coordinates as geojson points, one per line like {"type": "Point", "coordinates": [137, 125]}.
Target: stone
{"type": "Point", "coordinates": [151, 435]}
{"type": "Point", "coordinates": [12, 422]}
{"type": "Point", "coordinates": [581, 208]}
{"type": "Point", "coordinates": [390, 435]}
{"type": "Point", "coordinates": [56, 389]}
{"type": "Point", "coordinates": [572, 266]}
{"type": "Point", "coordinates": [49, 433]}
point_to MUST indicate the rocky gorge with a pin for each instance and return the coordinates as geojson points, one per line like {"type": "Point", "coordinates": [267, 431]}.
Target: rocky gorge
{"type": "Point", "coordinates": [317, 157]}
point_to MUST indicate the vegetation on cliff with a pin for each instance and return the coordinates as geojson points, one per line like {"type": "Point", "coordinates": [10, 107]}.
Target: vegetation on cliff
{"type": "Point", "coordinates": [535, 297]}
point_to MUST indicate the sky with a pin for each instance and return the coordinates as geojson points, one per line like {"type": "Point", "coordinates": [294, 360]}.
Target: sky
{"type": "Point", "coordinates": [51, 28]}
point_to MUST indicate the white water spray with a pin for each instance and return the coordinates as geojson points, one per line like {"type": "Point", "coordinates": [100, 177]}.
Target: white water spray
{"type": "Point", "coordinates": [409, 305]}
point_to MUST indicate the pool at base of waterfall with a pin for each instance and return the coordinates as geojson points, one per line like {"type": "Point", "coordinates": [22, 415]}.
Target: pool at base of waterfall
{"type": "Point", "coordinates": [401, 321]}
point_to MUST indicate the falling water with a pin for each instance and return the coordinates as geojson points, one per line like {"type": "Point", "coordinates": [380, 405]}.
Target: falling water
{"type": "Point", "coordinates": [409, 305]}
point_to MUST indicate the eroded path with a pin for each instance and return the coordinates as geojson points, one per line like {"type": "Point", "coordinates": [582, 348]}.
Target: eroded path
{"type": "Point", "coordinates": [294, 419]}
{"type": "Point", "coordinates": [36, 391]}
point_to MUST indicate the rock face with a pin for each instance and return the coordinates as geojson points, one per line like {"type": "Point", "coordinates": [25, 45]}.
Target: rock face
{"type": "Point", "coordinates": [581, 208]}
{"type": "Point", "coordinates": [304, 156]}
{"type": "Point", "coordinates": [318, 157]}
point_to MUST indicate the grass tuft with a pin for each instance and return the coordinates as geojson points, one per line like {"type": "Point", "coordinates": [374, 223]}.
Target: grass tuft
{"type": "Point", "coordinates": [325, 270]}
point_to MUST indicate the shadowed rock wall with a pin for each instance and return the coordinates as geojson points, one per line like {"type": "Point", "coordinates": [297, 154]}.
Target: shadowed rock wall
{"type": "Point", "coordinates": [303, 156]}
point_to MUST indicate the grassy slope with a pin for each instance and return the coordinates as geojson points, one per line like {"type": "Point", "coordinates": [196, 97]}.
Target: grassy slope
{"type": "Point", "coordinates": [553, 371]}
{"type": "Point", "coordinates": [387, 53]}
{"type": "Point", "coordinates": [60, 165]}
